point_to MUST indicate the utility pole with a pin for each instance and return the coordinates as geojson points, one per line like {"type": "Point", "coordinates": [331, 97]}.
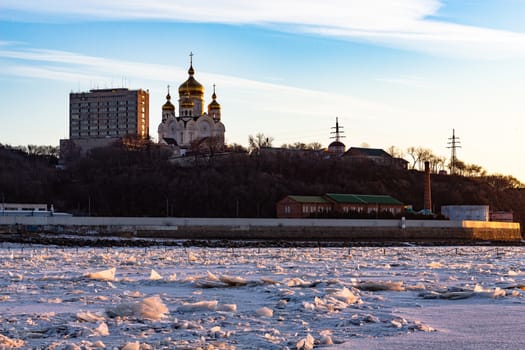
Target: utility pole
{"type": "Point", "coordinates": [453, 144]}
{"type": "Point", "coordinates": [338, 133]}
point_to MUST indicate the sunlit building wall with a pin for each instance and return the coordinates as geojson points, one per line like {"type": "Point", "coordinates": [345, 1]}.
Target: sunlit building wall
{"type": "Point", "coordinates": [108, 113]}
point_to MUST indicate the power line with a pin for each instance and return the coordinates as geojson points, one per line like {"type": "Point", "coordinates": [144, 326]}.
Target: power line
{"type": "Point", "coordinates": [453, 144]}
{"type": "Point", "coordinates": [338, 133]}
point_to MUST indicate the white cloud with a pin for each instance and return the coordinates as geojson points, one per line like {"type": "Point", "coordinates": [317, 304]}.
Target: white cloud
{"type": "Point", "coordinates": [339, 13]}
{"type": "Point", "coordinates": [402, 24]}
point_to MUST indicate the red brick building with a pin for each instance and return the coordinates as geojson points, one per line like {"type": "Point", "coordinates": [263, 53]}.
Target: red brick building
{"type": "Point", "coordinates": [306, 206]}
{"type": "Point", "coordinates": [302, 206]}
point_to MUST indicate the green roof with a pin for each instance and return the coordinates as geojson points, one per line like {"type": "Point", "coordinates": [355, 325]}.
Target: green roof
{"type": "Point", "coordinates": [308, 199]}
{"type": "Point", "coordinates": [363, 199]}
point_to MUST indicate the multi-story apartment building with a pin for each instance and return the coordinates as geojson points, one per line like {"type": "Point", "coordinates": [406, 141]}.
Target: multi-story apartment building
{"type": "Point", "coordinates": [108, 113]}
{"type": "Point", "coordinates": [99, 117]}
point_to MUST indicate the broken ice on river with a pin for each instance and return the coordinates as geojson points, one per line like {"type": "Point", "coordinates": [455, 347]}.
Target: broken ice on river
{"type": "Point", "coordinates": [250, 298]}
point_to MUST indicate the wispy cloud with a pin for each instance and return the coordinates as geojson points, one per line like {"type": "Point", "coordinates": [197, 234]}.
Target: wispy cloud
{"type": "Point", "coordinates": [410, 81]}
{"type": "Point", "coordinates": [83, 69]}
{"type": "Point", "coordinates": [46, 72]}
{"type": "Point", "coordinates": [70, 66]}
{"type": "Point", "coordinates": [406, 24]}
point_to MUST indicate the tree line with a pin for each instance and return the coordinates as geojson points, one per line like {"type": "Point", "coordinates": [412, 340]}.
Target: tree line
{"type": "Point", "coordinates": [141, 180]}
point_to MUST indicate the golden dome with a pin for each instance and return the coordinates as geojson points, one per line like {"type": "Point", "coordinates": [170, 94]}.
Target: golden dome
{"type": "Point", "coordinates": [191, 85]}
{"type": "Point", "coordinates": [168, 106]}
{"type": "Point", "coordinates": [214, 105]}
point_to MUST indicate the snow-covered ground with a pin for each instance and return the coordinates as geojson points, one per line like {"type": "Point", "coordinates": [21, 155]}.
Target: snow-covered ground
{"type": "Point", "coordinates": [267, 298]}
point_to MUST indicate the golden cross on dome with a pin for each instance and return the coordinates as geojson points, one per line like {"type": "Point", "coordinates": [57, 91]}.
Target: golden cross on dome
{"type": "Point", "coordinates": [168, 89]}
{"type": "Point", "coordinates": [191, 57]}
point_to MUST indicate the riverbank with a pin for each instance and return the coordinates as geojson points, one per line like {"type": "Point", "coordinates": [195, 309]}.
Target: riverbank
{"type": "Point", "coordinates": [269, 230]}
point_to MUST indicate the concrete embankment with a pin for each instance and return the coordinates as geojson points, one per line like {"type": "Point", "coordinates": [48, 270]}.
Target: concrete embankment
{"type": "Point", "coordinates": [267, 229]}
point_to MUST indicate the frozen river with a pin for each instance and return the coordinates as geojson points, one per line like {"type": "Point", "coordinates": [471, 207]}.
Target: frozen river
{"type": "Point", "coordinates": [267, 298]}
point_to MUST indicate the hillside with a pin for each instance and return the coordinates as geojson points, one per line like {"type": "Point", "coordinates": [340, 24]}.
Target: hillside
{"type": "Point", "coordinates": [117, 181]}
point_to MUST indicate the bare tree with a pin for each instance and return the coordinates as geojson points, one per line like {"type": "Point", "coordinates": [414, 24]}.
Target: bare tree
{"type": "Point", "coordinates": [459, 167]}
{"type": "Point", "coordinates": [235, 147]}
{"type": "Point", "coordinates": [259, 141]}
{"type": "Point", "coordinates": [503, 182]}
{"type": "Point", "coordinates": [395, 152]}
{"type": "Point", "coordinates": [411, 151]}
{"type": "Point", "coordinates": [316, 146]}
{"type": "Point", "coordinates": [440, 163]}
{"type": "Point", "coordinates": [419, 156]}
{"type": "Point", "coordinates": [424, 155]}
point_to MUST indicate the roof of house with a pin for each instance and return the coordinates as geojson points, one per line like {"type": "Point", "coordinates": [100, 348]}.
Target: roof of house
{"type": "Point", "coordinates": [367, 152]}
{"type": "Point", "coordinates": [363, 199]}
{"type": "Point", "coordinates": [308, 199]}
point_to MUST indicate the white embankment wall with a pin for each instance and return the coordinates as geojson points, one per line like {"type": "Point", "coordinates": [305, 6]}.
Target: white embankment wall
{"type": "Point", "coordinates": [252, 228]}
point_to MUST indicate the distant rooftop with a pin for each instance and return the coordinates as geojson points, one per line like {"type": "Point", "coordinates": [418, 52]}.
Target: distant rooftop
{"type": "Point", "coordinates": [368, 152]}
{"type": "Point", "coordinates": [109, 90]}
{"type": "Point", "coordinates": [363, 198]}
{"type": "Point", "coordinates": [308, 199]}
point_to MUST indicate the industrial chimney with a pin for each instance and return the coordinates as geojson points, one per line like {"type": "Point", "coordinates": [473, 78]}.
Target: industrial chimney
{"type": "Point", "coordinates": [427, 199]}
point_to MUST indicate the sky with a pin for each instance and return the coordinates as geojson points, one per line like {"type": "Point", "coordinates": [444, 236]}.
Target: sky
{"type": "Point", "coordinates": [395, 72]}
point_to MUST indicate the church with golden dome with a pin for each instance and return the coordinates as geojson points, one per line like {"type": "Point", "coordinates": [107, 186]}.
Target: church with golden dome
{"type": "Point", "coordinates": [193, 129]}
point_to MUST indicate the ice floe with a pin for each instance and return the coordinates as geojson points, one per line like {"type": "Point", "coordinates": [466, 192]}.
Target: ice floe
{"type": "Point", "coordinates": [154, 275]}
{"type": "Point", "coordinates": [242, 298]}
{"type": "Point", "coordinates": [8, 343]}
{"type": "Point", "coordinates": [210, 305]}
{"type": "Point", "coordinates": [264, 312]}
{"type": "Point", "coordinates": [151, 308]}
{"type": "Point", "coordinates": [105, 275]}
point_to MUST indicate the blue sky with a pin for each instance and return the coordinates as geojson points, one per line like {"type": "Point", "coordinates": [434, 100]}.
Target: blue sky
{"type": "Point", "coordinates": [395, 72]}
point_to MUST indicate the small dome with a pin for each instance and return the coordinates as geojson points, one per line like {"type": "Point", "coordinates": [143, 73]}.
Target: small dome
{"type": "Point", "coordinates": [336, 144]}
{"type": "Point", "coordinates": [336, 147]}
{"type": "Point", "coordinates": [168, 106]}
{"type": "Point", "coordinates": [214, 105]}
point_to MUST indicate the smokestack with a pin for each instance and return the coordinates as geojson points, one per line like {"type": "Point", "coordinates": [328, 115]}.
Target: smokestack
{"type": "Point", "coordinates": [427, 199]}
